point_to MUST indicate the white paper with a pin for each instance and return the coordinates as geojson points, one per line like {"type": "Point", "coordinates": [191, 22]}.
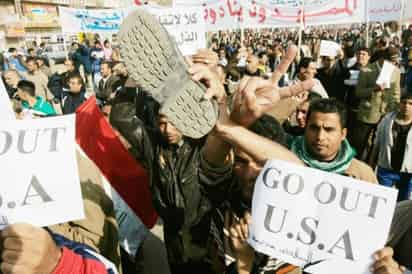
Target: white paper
{"type": "Point", "coordinates": [329, 48]}
{"type": "Point", "coordinates": [385, 75]}
{"type": "Point", "coordinates": [186, 25]}
{"type": "Point", "coordinates": [384, 11]}
{"type": "Point", "coordinates": [354, 78]}
{"type": "Point", "coordinates": [40, 180]}
{"type": "Point", "coordinates": [6, 110]}
{"type": "Point", "coordinates": [300, 215]}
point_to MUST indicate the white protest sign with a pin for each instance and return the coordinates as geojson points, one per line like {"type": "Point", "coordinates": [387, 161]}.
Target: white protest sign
{"type": "Point", "coordinates": [385, 75]}
{"type": "Point", "coordinates": [186, 25]}
{"type": "Point", "coordinates": [6, 110]}
{"type": "Point", "coordinates": [40, 181]}
{"type": "Point", "coordinates": [383, 11]}
{"type": "Point", "coordinates": [323, 222]}
{"type": "Point", "coordinates": [407, 11]}
{"type": "Point", "coordinates": [95, 21]}
{"type": "Point", "coordinates": [329, 48]}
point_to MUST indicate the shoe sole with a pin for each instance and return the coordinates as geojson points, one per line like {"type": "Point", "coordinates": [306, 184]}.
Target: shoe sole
{"type": "Point", "coordinates": [156, 64]}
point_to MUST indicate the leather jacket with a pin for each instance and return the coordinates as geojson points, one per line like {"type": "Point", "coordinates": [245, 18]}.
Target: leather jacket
{"type": "Point", "coordinates": [185, 188]}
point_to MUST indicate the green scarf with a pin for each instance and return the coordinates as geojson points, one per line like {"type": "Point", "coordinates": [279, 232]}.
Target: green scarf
{"type": "Point", "coordinates": [339, 165]}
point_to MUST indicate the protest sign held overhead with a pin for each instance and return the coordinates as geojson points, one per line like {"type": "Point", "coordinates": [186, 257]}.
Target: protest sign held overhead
{"type": "Point", "coordinates": [329, 48]}
{"type": "Point", "coordinates": [40, 182]}
{"type": "Point", "coordinates": [318, 220]}
{"type": "Point", "coordinates": [186, 25]}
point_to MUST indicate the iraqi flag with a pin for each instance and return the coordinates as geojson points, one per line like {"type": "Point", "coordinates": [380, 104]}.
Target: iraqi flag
{"type": "Point", "coordinates": [101, 144]}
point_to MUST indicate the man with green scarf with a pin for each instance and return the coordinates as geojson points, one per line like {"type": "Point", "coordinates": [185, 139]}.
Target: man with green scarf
{"type": "Point", "coordinates": [324, 145]}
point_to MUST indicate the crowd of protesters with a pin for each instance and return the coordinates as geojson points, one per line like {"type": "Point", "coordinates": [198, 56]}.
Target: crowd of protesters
{"type": "Point", "coordinates": [325, 112]}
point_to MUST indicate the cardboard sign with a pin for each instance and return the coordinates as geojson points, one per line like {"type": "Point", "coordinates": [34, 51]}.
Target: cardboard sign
{"type": "Point", "coordinates": [329, 48]}
{"type": "Point", "coordinates": [40, 181]}
{"type": "Point", "coordinates": [323, 222]}
{"type": "Point", "coordinates": [186, 25]}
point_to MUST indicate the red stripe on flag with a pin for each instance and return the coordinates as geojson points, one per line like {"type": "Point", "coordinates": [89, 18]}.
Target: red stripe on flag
{"type": "Point", "coordinates": [98, 140]}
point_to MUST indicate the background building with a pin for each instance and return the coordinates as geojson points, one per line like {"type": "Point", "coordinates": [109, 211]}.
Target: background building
{"type": "Point", "coordinates": [38, 20]}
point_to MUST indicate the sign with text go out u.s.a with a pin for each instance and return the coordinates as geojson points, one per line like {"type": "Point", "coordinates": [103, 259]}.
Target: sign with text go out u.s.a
{"type": "Point", "coordinates": [39, 175]}
{"type": "Point", "coordinates": [323, 222]}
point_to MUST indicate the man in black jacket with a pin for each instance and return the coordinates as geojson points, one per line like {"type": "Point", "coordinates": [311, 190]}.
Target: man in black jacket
{"type": "Point", "coordinates": [332, 76]}
{"type": "Point", "coordinates": [75, 96]}
{"type": "Point", "coordinates": [185, 187]}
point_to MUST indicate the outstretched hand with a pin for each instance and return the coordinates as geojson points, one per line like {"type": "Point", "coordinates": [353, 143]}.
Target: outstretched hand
{"type": "Point", "coordinates": [256, 96]}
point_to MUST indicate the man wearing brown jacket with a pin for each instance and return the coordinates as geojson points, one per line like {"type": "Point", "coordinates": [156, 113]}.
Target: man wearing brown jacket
{"type": "Point", "coordinates": [375, 101]}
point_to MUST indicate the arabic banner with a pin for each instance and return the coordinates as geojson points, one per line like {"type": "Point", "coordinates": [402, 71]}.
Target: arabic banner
{"type": "Point", "coordinates": [388, 10]}
{"type": "Point", "coordinates": [40, 181]}
{"type": "Point", "coordinates": [95, 21]}
{"type": "Point", "coordinates": [186, 25]}
{"type": "Point", "coordinates": [231, 14]}
{"type": "Point", "coordinates": [323, 222]}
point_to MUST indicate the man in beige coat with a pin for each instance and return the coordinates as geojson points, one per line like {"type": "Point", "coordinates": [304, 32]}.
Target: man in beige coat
{"type": "Point", "coordinates": [40, 80]}
{"type": "Point", "coordinates": [375, 101]}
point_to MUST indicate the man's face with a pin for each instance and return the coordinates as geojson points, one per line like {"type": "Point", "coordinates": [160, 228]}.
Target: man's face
{"type": "Point", "coordinates": [301, 113]}
{"type": "Point", "coordinates": [309, 72]}
{"type": "Point", "coordinates": [363, 57]}
{"type": "Point", "coordinates": [39, 62]}
{"type": "Point", "coordinates": [222, 54]}
{"type": "Point", "coordinates": [252, 63]}
{"type": "Point", "coordinates": [32, 53]}
{"type": "Point", "coordinates": [105, 70]}
{"type": "Point", "coordinates": [22, 95]}
{"type": "Point", "coordinates": [11, 78]}
{"type": "Point", "coordinates": [69, 65]}
{"type": "Point", "coordinates": [75, 85]}
{"type": "Point", "coordinates": [32, 66]}
{"type": "Point", "coordinates": [171, 134]}
{"type": "Point", "coordinates": [405, 107]}
{"type": "Point", "coordinates": [324, 135]}
{"type": "Point", "coordinates": [328, 62]}
{"type": "Point", "coordinates": [246, 171]}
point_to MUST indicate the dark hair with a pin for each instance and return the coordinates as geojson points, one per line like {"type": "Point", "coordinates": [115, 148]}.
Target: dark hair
{"type": "Point", "coordinates": [12, 50]}
{"type": "Point", "coordinates": [406, 96]}
{"type": "Point", "coordinates": [31, 59]}
{"type": "Point", "coordinates": [270, 128]}
{"type": "Point", "coordinates": [304, 63]}
{"type": "Point", "coordinates": [329, 105]}
{"type": "Point", "coordinates": [261, 54]}
{"type": "Point", "coordinates": [108, 63]}
{"type": "Point", "coordinates": [364, 49]}
{"type": "Point", "coordinates": [30, 50]}
{"type": "Point", "coordinates": [390, 53]}
{"type": "Point", "coordinates": [27, 87]}
{"type": "Point", "coordinates": [76, 75]}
